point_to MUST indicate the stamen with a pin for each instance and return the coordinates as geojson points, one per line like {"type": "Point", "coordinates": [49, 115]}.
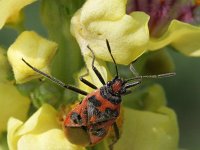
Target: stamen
{"type": "Point", "coordinates": [187, 13]}
{"type": "Point", "coordinates": [149, 7]}
{"type": "Point", "coordinates": [157, 16]}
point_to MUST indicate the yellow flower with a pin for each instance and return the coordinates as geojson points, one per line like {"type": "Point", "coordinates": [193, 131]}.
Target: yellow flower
{"type": "Point", "coordinates": [99, 20]}
{"type": "Point", "coordinates": [35, 50]}
{"type": "Point", "coordinates": [128, 35]}
{"type": "Point", "coordinates": [151, 127]}
{"type": "Point", "coordinates": [12, 104]}
{"type": "Point", "coordinates": [10, 10]}
{"type": "Point", "coordinates": [41, 131]}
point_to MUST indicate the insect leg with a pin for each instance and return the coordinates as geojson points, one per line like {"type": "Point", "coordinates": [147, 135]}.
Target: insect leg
{"type": "Point", "coordinates": [87, 82]}
{"type": "Point", "coordinates": [95, 69]}
{"type": "Point", "coordinates": [127, 92]}
{"type": "Point", "coordinates": [58, 82]}
{"type": "Point", "coordinates": [116, 130]}
{"type": "Point", "coordinates": [129, 85]}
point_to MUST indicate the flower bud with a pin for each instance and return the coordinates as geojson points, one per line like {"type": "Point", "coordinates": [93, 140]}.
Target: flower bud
{"type": "Point", "coordinates": [34, 49]}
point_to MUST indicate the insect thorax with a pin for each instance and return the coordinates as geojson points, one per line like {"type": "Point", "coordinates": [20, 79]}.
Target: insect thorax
{"type": "Point", "coordinates": [114, 99]}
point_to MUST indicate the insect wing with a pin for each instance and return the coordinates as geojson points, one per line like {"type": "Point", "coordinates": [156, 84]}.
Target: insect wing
{"type": "Point", "coordinates": [77, 117]}
{"type": "Point", "coordinates": [98, 131]}
{"type": "Point", "coordinates": [95, 112]}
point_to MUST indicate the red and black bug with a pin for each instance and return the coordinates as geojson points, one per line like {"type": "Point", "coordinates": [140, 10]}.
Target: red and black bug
{"type": "Point", "coordinates": [98, 111]}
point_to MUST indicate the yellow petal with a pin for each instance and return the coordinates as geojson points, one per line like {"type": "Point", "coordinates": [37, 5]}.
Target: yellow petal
{"type": "Point", "coordinates": [13, 126]}
{"type": "Point", "coordinates": [99, 20]}
{"type": "Point", "coordinates": [182, 36]}
{"type": "Point", "coordinates": [10, 9]}
{"type": "Point", "coordinates": [12, 103]}
{"type": "Point", "coordinates": [41, 131]}
{"type": "Point", "coordinates": [35, 50]}
{"type": "Point", "coordinates": [44, 119]}
{"type": "Point", "coordinates": [144, 130]}
{"type": "Point", "coordinates": [53, 139]}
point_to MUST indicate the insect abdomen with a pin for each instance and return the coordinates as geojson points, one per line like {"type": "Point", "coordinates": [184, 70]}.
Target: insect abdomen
{"type": "Point", "coordinates": [94, 116]}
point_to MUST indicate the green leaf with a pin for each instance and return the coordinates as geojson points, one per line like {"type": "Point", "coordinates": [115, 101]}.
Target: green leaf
{"type": "Point", "coordinates": [99, 20]}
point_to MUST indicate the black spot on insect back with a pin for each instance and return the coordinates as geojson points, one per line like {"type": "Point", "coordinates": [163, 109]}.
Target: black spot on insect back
{"type": "Point", "coordinates": [76, 118]}
{"type": "Point", "coordinates": [112, 113]}
{"type": "Point", "coordinates": [94, 101]}
{"type": "Point", "coordinates": [93, 111]}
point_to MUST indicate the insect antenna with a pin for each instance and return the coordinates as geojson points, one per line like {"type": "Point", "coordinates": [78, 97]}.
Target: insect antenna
{"type": "Point", "coordinates": [164, 75]}
{"type": "Point", "coordinates": [109, 49]}
{"type": "Point", "coordinates": [53, 79]}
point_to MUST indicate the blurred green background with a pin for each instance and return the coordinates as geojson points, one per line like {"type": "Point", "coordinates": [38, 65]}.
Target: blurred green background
{"type": "Point", "coordinates": [182, 91]}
